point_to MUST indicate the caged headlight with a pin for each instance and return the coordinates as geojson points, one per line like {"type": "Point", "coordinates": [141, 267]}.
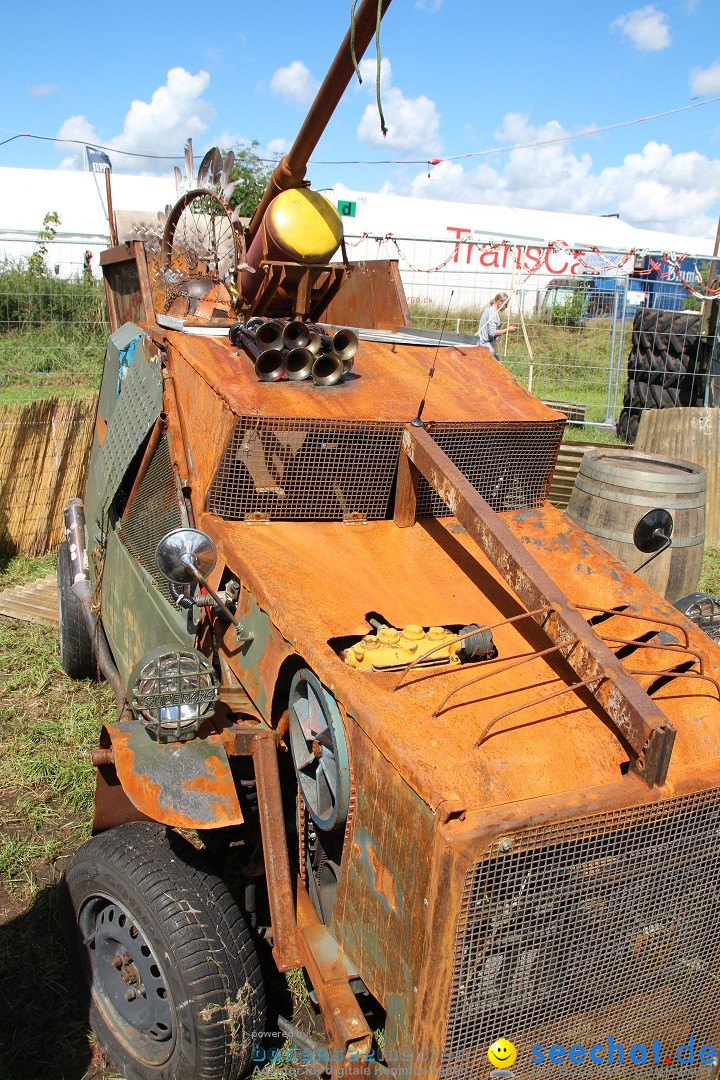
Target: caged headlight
{"type": "Point", "coordinates": [172, 691]}
{"type": "Point", "coordinates": [703, 610]}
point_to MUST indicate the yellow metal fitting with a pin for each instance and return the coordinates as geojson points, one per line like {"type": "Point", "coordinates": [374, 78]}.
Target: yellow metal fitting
{"type": "Point", "coordinates": [391, 649]}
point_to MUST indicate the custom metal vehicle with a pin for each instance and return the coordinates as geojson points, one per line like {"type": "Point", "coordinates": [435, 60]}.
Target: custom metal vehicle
{"type": "Point", "coordinates": [458, 761]}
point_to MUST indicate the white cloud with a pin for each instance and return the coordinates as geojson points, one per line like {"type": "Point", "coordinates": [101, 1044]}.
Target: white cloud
{"type": "Point", "coordinates": [175, 111]}
{"type": "Point", "coordinates": [428, 5]}
{"type": "Point", "coordinates": [646, 27]}
{"type": "Point", "coordinates": [653, 188]}
{"type": "Point", "coordinates": [294, 83]}
{"type": "Point", "coordinates": [412, 123]}
{"type": "Point", "coordinates": [706, 80]}
{"type": "Point", "coordinates": [42, 90]}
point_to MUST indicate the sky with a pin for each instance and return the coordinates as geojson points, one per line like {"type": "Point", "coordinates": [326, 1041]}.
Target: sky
{"type": "Point", "coordinates": [458, 77]}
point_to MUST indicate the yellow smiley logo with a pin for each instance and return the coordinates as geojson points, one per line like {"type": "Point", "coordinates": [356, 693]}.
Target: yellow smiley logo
{"type": "Point", "coordinates": [501, 1054]}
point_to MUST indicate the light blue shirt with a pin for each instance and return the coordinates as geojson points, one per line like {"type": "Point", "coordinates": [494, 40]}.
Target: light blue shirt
{"type": "Point", "coordinates": [488, 326]}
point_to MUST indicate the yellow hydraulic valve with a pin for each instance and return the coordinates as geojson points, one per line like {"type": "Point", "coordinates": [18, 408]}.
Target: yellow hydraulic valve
{"type": "Point", "coordinates": [390, 648]}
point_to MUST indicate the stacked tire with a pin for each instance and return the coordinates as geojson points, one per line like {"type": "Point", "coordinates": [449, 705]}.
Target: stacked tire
{"type": "Point", "coordinates": [661, 370]}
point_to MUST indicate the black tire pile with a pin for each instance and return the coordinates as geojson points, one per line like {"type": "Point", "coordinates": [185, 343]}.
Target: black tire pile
{"type": "Point", "coordinates": [661, 365]}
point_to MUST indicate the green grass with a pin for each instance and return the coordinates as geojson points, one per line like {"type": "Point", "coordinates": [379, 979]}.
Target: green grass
{"type": "Point", "coordinates": [710, 576]}
{"type": "Point", "coordinates": [19, 569]}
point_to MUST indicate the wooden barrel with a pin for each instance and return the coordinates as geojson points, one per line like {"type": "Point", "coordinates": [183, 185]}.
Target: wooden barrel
{"type": "Point", "coordinates": [614, 488]}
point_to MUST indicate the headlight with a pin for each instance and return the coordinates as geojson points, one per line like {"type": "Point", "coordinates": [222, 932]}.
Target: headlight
{"type": "Point", "coordinates": [172, 691]}
{"type": "Point", "coordinates": [703, 610]}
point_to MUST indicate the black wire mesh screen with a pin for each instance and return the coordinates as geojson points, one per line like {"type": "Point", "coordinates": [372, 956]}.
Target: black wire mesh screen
{"type": "Point", "coordinates": [306, 470]}
{"type": "Point", "coordinates": [511, 465]}
{"type": "Point", "coordinates": [597, 927]}
{"type": "Point", "coordinates": [153, 512]}
{"type": "Point", "coordinates": [330, 470]}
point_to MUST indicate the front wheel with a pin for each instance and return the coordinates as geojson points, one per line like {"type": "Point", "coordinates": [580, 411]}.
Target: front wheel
{"type": "Point", "coordinates": [167, 962]}
{"type": "Point", "coordinates": [76, 647]}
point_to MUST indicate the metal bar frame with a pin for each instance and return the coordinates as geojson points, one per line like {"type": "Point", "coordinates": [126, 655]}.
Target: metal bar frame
{"type": "Point", "coordinates": [636, 718]}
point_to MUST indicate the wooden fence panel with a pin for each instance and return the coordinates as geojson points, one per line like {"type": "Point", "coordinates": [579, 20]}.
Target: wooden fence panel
{"type": "Point", "coordinates": [44, 453]}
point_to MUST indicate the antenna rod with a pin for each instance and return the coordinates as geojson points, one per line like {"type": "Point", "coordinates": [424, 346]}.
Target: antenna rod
{"type": "Point", "coordinates": [417, 421]}
{"type": "Point", "coordinates": [290, 171]}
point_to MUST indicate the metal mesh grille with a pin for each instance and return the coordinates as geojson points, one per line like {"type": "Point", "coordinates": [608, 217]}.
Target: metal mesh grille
{"type": "Point", "coordinates": [509, 464]}
{"type": "Point", "coordinates": [326, 470]}
{"type": "Point", "coordinates": [295, 469]}
{"type": "Point", "coordinates": [599, 926]}
{"type": "Point", "coordinates": [135, 412]}
{"type": "Point", "coordinates": [153, 512]}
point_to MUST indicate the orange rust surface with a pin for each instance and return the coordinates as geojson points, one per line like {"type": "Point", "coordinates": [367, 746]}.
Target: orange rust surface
{"type": "Point", "coordinates": [432, 574]}
{"type": "Point", "coordinates": [386, 383]}
{"type": "Point", "coordinates": [164, 802]}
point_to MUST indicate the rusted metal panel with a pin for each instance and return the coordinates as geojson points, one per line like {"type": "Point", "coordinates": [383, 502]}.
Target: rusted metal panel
{"type": "Point", "coordinates": [127, 286]}
{"type": "Point", "coordinates": [380, 916]}
{"type": "Point", "coordinates": [372, 296]}
{"type": "Point", "coordinates": [187, 785]}
{"type": "Point", "coordinates": [275, 852]}
{"type": "Point", "coordinates": [635, 716]}
{"type": "Point", "coordinates": [434, 574]}
{"type": "Point", "coordinates": [387, 383]}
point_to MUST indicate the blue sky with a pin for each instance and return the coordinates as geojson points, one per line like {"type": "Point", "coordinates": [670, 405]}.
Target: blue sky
{"type": "Point", "coordinates": [459, 77]}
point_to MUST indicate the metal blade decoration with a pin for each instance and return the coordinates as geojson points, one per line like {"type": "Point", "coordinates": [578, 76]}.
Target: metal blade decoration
{"type": "Point", "coordinates": [204, 172]}
{"type": "Point", "coordinates": [226, 170]}
{"type": "Point", "coordinates": [217, 164]}
{"type": "Point", "coordinates": [178, 180]}
{"type": "Point", "coordinates": [189, 163]}
{"type": "Point", "coordinates": [319, 749]}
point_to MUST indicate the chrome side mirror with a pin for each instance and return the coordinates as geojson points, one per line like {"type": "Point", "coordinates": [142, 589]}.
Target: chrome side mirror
{"type": "Point", "coordinates": [186, 556]}
{"type": "Point", "coordinates": [653, 535]}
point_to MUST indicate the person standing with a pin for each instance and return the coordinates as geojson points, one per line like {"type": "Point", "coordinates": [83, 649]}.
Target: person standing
{"type": "Point", "coordinates": [489, 329]}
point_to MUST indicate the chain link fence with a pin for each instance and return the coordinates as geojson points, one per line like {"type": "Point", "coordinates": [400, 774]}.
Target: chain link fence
{"type": "Point", "coordinates": [573, 310]}
{"type": "Point", "coordinates": [53, 323]}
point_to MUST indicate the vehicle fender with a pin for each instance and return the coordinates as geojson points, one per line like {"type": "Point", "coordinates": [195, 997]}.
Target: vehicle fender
{"type": "Point", "coordinates": [187, 785]}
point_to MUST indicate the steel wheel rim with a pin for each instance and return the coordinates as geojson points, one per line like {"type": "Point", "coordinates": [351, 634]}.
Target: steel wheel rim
{"type": "Point", "coordinates": [128, 984]}
{"type": "Point", "coordinates": [183, 251]}
{"type": "Point", "coordinates": [320, 757]}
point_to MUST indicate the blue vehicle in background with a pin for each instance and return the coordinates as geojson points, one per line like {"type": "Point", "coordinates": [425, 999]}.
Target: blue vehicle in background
{"type": "Point", "coordinates": [652, 284]}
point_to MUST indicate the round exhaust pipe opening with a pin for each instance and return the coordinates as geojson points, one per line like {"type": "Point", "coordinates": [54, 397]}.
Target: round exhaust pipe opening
{"type": "Point", "coordinates": [327, 369]}
{"type": "Point", "coordinates": [300, 364]}
{"type": "Point", "coordinates": [296, 335]}
{"type": "Point", "coordinates": [271, 365]}
{"type": "Point", "coordinates": [345, 344]}
{"type": "Point", "coordinates": [269, 335]}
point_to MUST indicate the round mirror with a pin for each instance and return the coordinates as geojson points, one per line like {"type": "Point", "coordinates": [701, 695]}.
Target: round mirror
{"type": "Point", "coordinates": [181, 546]}
{"type": "Point", "coordinates": [653, 531]}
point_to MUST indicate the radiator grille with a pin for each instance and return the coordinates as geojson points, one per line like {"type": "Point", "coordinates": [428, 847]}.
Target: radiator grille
{"type": "Point", "coordinates": [311, 470]}
{"type": "Point", "coordinates": [326, 470]}
{"type": "Point", "coordinates": [600, 926]}
{"type": "Point", "coordinates": [510, 465]}
{"type": "Point", "coordinates": [153, 512]}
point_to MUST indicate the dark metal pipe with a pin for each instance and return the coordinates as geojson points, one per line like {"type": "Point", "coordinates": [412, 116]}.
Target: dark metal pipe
{"type": "Point", "coordinates": [296, 335]}
{"type": "Point", "coordinates": [328, 369]}
{"type": "Point", "coordinates": [290, 171]}
{"type": "Point", "coordinates": [300, 364]}
{"type": "Point", "coordinates": [75, 532]}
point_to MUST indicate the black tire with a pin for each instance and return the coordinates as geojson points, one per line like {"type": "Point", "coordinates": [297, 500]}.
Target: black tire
{"type": "Point", "coordinates": [76, 650]}
{"type": "Point", "coordinates": [627, 425]}
{"type": "Point", "coordinates": [140, 891]}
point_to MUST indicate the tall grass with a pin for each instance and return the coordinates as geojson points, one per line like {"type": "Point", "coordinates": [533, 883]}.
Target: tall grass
{"type": "Point", "coordinates": [567, 361]}
{"type": "Point", "coordinates": [52, 333]}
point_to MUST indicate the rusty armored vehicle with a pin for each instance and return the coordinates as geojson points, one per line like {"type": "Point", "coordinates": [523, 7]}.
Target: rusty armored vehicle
{"type": "Point", "coordinates": [384, 713]}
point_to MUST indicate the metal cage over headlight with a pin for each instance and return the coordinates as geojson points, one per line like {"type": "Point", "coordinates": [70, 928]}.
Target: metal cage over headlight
{"type": "Point", "coordinates": [172, 691]}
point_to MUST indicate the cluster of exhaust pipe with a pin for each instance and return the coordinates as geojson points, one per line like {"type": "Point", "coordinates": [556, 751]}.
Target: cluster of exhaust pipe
{"type": "Point", "coordinates": [291, 349]}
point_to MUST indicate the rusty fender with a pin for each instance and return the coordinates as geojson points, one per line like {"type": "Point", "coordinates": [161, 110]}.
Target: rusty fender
{"type": "Point", "coordinates": [187, 785]}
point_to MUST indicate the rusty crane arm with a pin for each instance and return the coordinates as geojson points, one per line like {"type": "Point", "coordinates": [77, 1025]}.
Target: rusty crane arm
{"type": "Point", "coordinates": [290, 170]}
{"type": "Point", "coordinates": [633, 714]}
